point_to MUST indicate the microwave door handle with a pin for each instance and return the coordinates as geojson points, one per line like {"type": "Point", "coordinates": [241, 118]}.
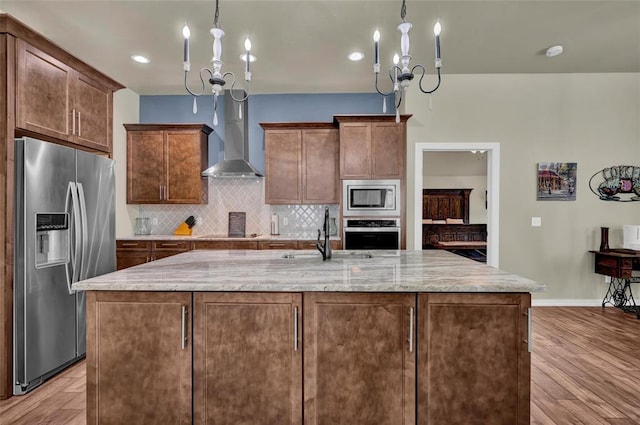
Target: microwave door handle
{"type": "Point", "coordinates": [85, 233]}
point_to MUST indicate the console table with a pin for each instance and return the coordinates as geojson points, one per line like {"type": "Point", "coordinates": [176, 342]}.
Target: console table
{"type": "Point", "coordinates": [619, 264]}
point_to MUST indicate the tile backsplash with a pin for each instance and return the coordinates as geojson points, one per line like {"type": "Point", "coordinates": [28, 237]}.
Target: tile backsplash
{"type": "Point", "coordinates": [243, 195]}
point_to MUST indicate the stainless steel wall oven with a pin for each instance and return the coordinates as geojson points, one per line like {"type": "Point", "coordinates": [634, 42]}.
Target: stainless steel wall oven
{"type": "Point", "coordinates": [367, 233]}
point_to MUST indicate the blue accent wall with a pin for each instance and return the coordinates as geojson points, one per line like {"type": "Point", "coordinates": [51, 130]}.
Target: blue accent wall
{"type": "Point", "coordinates": [262, 108]}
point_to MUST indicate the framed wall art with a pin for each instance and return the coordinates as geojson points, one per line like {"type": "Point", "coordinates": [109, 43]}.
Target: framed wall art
{"type": "Point", "coordinates": [557, 181]}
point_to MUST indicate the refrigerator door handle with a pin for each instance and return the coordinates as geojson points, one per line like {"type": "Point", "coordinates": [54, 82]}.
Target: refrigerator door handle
{"type": "Point", "coordinates": [85, 232]}
{"type": "Point", "coordinates": [75, 260]}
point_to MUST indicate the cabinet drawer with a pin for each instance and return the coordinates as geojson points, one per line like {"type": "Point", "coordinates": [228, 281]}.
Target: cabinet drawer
{"type": "Point", "coordinates": [312, 244]}
{"type": "Point", "coordinates": [171, 245]}
{"type": "Point", "coordinates": [133, 245]}
{"type": "Point", "coordinates": [277, 245]}
{"type": "Point", "coordinates": [225, 245]}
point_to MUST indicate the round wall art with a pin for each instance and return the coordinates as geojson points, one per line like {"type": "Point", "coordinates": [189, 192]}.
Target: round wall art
{"type": "Point", "coordinates": [618, 183]}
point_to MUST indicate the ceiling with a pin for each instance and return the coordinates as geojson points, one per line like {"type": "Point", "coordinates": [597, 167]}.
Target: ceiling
{"type": "Point", "coordinates": [301, 45]}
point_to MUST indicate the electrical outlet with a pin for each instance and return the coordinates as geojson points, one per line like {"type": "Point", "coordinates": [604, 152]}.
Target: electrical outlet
{"type": "Point", "coordinates": [607, 279]}
{"type": "Point", "coordinates": [154, 221]}
{"type": "Point", "coordinates": [285, 221]}
{"type": "Point", "coordinates": [199, 221]}
{"type": "Point", "coordinates": [536, 221]}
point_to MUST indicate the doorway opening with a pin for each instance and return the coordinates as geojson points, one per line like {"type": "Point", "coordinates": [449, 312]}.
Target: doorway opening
{"type": "Point", "coordinates": [492, 152]}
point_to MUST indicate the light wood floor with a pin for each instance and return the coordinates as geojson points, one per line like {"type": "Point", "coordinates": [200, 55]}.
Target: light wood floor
{"type": "Point", "coordinates": [585, 370]}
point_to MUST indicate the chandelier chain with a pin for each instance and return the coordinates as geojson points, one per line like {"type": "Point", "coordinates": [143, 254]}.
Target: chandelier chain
{"type": "Point", "coordinates": [403, 10]}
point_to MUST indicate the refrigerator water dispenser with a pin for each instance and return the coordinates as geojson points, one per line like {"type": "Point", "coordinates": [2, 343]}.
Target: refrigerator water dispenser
{"type": "Point", "coordinates": [52, 239]}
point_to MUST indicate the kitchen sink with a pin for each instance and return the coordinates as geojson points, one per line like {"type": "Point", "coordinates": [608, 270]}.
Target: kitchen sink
{"type": "Point", "coordinates": [338, 255]}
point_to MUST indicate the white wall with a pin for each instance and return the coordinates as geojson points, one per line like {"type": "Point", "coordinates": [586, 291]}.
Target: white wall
{"type": "Point", "coordinates": [126, 109]}
{"type": "Point", "coordinates": [591, 119]}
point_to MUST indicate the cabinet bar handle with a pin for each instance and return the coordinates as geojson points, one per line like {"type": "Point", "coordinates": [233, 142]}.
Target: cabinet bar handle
{"type": "Point", "coordinates": [295, 329]}
{"type": "Point", "coordinates": [79, 124]}
{"type": "Point", "coordinates": [73, 121]}
{"type": "Point", "coordinates": [160, 189]}
{"type": "Point", "coordinates": [164, 245]}
{"type": "Point", "coordinates": [528, 329]}
{"type": "Point", "coordinates": [129, 244]}
{"type": "Point", "coordinates": [411, 329]}
{"type": "Point", "coordinates": [184, 326]}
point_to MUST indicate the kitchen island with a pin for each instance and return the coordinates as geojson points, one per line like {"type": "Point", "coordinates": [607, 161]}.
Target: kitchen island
{"type": "Point", "coordinates": [281, 337]}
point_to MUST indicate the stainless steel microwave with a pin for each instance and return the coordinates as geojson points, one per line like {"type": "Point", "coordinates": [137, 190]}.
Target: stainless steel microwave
{"type": "Point", "coordinates": [370, 197]}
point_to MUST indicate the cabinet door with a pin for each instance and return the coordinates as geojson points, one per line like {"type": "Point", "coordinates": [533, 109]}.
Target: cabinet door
{"type": "Point", "coordinates": [42, 93]}
{"type": "Point", "coordinates": [387, 150]}
{"type": "Point", "coordinates": [92, 106]}
{"type": "Point", "coordinates": [184, 181]}
{"type": "Point", "coordinates": [138, 358]}
{"type": "Point", "coordinates": [126, 259]}
{"type": "Point", "coordinates": [247, 358]}
{"type": "Point", "coordinates": [359, 359]}
{"type": "Point", "coordinates": [473, 360]}
{"type": "Point", "coordinates": [145, 161]}
{"type": "Point", "coordinates": [320, 161]}
{"type": "Point", "coordinates": [355, 150]}
{"type": "Point", "coordinates": [283, 166]}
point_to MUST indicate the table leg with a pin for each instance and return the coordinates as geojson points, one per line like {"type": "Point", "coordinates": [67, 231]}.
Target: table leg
{"type": "Point", "coordinates": [620, 295]}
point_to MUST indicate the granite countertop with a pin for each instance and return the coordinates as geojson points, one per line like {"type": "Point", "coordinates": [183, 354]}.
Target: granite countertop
{"type": "Point", "coordinates": [257, 237]}
{"type": "Point", "coordinates": [347, 271]}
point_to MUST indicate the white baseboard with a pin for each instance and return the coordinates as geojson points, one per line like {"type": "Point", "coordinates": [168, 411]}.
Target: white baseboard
{"type": "Point", "coordinates": [566, 303]}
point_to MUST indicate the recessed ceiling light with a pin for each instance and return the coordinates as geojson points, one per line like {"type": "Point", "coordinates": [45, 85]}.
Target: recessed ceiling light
{"type": "Point", "coordinates": [355, 56]}
{"type": "Point", "coordinates": [553, 51]}
{"type": "Point", "coordinates": [140, 59]}
{"type": "Point", "coordinates": [243, 57]}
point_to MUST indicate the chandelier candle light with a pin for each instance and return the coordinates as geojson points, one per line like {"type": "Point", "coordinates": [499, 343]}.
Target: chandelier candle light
{"type": "Point", "coordinates": [401, 76]}
{"type": "Point", "coordinates": [215, 76]}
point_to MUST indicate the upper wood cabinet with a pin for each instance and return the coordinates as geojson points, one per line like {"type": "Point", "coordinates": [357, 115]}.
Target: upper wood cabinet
{"type": "Point", "coordinates": [165, 162]}
{"type": "Point", "coordinates": [301, 163]}
{"type": "Point", "coordinates": [372, 147]}
{"type": "Point", "coordinates": [473, 360]}
{"type": "Point", "coordinates": [55, 100]}
{"type": "Point", "coordinates": [359, 358]}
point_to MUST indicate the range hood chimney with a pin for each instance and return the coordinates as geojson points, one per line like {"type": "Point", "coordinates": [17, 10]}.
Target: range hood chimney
{"type": "Point", "coordinates": [236, 141]}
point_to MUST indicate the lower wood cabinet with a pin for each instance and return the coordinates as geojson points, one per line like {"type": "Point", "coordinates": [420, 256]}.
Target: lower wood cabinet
{"type": "Point", "coordinates": [247, 358]}
{"type": "Point", "coordinates": [359, 359]}
{"type": "Point", "coordinates": [474, 366]}
{"type": "Point", "coordinates": [316, 358]}
{"type": "Point", "coordinates": [131, 253]}
{"type": "Point", "coordinates": [253, 244]}
{"type": "Point", "coordinates": [139, 358]}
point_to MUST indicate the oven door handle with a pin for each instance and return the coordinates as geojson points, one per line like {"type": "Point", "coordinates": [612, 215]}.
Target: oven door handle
{"type": "Point", "coordinates": [371, 229]}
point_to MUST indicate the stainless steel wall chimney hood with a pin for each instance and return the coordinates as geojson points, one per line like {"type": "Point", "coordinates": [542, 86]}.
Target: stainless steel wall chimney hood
{"type": "Point", "coordinates": [236, 142]}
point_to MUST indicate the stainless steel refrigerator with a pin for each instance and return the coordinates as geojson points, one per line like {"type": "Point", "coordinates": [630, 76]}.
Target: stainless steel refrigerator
{"type": "Point", "coordinates": [64, 232]}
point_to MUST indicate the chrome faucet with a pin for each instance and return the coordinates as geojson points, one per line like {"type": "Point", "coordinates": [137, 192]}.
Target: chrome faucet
{"type": "Point", "coordinates": [325, 249]}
